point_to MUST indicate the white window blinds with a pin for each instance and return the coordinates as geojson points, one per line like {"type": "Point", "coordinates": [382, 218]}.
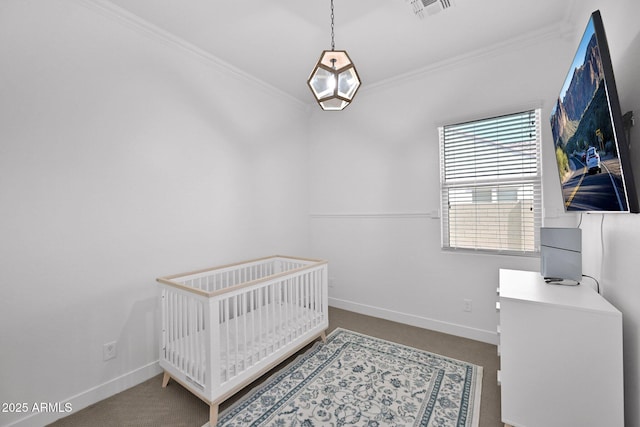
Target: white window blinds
{"type": "Point", "coordinates": [491, 184]}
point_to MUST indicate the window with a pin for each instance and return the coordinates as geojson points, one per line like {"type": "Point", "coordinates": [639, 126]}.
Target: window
{"type": "Point", "coordinates": [490, 182]}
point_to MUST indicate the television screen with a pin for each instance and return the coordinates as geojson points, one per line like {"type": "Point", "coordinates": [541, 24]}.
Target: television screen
{"type": "Point", "coordinates": [588, 134]}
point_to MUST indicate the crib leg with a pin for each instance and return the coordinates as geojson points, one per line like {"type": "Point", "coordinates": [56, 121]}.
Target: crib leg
{"type": "Point", "coordinates": [213, 415]}
{"type": "Point", "coordinates": [323, 336]}
{"type": "Point", "coordinates": [165, 379]}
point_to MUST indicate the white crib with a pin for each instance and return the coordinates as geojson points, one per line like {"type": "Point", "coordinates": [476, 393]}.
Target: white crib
{"type": "Point", "coordinates": [224, 327]}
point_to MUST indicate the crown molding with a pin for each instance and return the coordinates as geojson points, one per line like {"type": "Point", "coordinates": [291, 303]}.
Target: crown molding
{"type": "Point", "coordinates": [147, 29]}
{"type": "Point", "coordinates": [561, 29]}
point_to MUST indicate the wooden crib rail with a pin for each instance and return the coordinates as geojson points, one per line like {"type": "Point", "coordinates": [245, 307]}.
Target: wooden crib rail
{"type": "Point", "coordinates": [240, 263]}
{"type": "Point", "coordinates": [170, 280]}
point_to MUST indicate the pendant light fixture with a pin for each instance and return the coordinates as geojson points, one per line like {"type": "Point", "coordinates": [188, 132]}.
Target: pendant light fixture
{"type": "Point", "coordinates": [334, 81]}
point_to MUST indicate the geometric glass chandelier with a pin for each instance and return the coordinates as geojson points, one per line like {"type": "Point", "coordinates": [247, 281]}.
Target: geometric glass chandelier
{"type": "Point", "coordinates": [334, 80]}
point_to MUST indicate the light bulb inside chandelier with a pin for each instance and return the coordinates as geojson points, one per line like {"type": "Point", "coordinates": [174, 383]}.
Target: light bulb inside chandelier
{"type": "Point", "coordinates": [334, 80]}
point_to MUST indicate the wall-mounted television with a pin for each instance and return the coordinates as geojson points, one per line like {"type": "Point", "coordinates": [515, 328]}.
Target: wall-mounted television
{"type": "Point", "coordinates": [591, 147]}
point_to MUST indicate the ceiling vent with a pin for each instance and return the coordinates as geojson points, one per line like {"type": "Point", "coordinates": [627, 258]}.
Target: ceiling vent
{"type": "Point", "coordinates": [429, 7]}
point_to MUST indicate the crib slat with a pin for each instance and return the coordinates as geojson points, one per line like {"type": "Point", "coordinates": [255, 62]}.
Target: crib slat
{"type": "Point", "coordinates": [235, 336]}
{"type": "Point", "coordinates": [176, 334]}
{"type": "Point", "coordinates": [303, 325]}
{"type": "Point", "coordinates": [188, 341]}
{"type": "Point", "coordinates": [253, 324]}
{"type": "Point", "coordinates": [278, 290]}
{"type": "Point", "coordinates": [170, 326]}
{"type": "Point", "coordinates": [272, 323]}
{"type": "Point", "coordinates": [195, 371]}
{"type": "Point", "coordinates": [243, 314]}
{"type": "Point", "coordinates": [260, 322]}
{"type": "Point", "coordinates": [227, 346]}
{"type": "Point", "coordinates": [310, 298]}
{"type": "Point", "coordinates": [296, 306]}
{"type": "Point", "coordinates": [178, 321]}
{"type": "Point", "coordinates": [179, 341]}
{"type": "Point", "coordinates": [183, 333]}
{"type": "Point", "coordinates": [211, 317]}
{"type": "Point", "coordinates": [316, 296]}
{"type": "Point", "coordinates": [307, 320]}
{"type": "Point", "coordinates": [193, 338]}
{"type": "Point", "coordinates": [289, 311]}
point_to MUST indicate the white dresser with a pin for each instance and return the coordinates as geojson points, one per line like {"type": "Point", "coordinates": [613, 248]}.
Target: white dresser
{"type": "Point", "coordinates": [560, 354]}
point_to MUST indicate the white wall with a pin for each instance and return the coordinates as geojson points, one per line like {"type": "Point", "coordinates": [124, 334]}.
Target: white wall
{"type": "Point", "coordinates": [611, 244]}
{"type": "Point", "coordinates": [123, 158]}
{"type": "Point", "coordinates": [380, 157]}
{"type": "Point", "coordinates": [374, 183]}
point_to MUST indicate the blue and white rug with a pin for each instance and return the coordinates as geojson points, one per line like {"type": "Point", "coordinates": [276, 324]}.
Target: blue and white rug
{"type": "Point", "coordinates": [357, 380]}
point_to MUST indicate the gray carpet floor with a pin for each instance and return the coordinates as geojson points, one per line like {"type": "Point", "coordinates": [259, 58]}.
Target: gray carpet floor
{"type": "Point", "coordinates": [148, 404]}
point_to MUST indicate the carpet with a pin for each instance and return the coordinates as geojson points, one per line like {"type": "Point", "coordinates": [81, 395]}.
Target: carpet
{"type": "Point", "coordinates": [358, 380]}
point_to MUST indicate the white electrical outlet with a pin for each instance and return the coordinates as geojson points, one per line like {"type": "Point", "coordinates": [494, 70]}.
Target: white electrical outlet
{"type": "Point", "coordinates": [109, 350]}
{"type": "Point", "coordinates": [468, 305]}
{"type": "Point", "coordinates": [332, 282]}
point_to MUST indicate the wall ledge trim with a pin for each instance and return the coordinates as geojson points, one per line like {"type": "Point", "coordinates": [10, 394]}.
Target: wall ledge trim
{"type": "Point", "coordinates": [374, 215]}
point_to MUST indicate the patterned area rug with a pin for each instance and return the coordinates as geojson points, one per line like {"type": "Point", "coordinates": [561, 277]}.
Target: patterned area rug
{"type": "Point", "coordinates": [357, 380]}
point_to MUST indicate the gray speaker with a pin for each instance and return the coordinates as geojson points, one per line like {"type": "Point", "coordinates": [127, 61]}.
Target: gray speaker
{"type": "Point", "coordinates": [561, 253]}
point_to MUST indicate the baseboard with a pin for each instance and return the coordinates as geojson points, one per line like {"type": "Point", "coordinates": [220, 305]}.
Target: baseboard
{"type": "Point", "coordinates": [413, 320]}
{"type": "Point", "coordinates": [91, 396]}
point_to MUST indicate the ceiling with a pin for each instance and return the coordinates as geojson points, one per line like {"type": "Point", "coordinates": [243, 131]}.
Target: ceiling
{"type": "Point", "coordinates": [279, 41]}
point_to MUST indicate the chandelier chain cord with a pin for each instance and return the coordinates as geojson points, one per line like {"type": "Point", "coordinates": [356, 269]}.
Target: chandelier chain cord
{"type": "Point", "coordinates": [333, 43]}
